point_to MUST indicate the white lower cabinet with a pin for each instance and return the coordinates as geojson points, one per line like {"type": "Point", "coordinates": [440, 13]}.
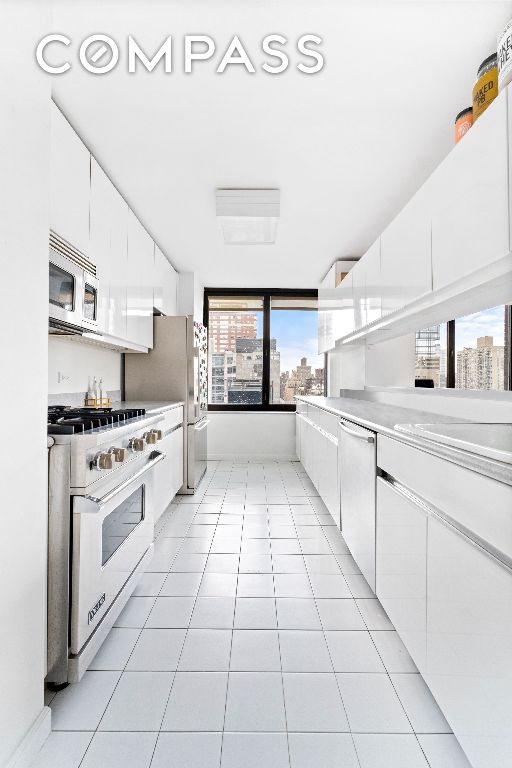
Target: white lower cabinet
{"type": "Point", "coordinates": [327, 474]}
{"type": "Point", "coordinates": [168, 477]}
{"type": "Point", "coordinates": [469, 643]}
{"type": "Point", "coordinates": [401, 566]}
{"type": "Point", "coordinates": [317, 449]}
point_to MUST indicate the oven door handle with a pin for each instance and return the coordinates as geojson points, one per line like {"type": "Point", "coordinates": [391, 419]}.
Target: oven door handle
{"type": "Point", "coordinates": [157, 456]}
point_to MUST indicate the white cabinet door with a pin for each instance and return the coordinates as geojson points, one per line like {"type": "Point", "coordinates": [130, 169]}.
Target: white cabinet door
{"type": "Point", "coordinates": [372, 281]}
{"type": "Point", "coordinates": [470, 221]}
{"type": "Point", "coordinates": [169, 282]}
{"type": "Point", "coordinates": [401, 566]}
{"type": "Point", "coordinates": [329, 489]}
{"type": "Point", "coordinates": [69, 183]}
{"type": "Point", "coordinates": [335, 313]}
{"type": "Point", "coordinates": [109, 218]}
{"type": "Point", "coordinates": [359, 294]}
{"type": "Point", "coordinates": [139, 302]}
{"type": "Point", "coordinates": [158, 286]}
{"type": "Point", "coordinates": [469, 642]}
{"type": "Point", "coordinates": [168, 477]}
{"type": "Point", "coordinates": [406, 263]}
{"type": "Point", "coordinates": [100, 238]}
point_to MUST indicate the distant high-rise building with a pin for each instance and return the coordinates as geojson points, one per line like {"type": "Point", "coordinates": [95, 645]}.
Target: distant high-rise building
{"type": "Point", "coordinates": [481, 368]}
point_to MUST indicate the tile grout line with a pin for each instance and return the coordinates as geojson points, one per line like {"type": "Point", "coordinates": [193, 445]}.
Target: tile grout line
{"type": "Point", "coordinates": [335, 675]}
{"type": "Point", "coordinates": [180, 654]}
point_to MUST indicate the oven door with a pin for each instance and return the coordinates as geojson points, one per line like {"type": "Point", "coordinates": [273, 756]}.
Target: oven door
{"type": "Point", "coordinates": [110, 536]}
{"type": "Point", "coordinates": [66, 290]}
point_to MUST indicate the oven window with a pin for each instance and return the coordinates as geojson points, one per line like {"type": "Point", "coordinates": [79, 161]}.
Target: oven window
{"type": "Point", "coordinates": [62, 286]}
{"type": "Point", "coordinates": [121, 522]}
{"type": "Point", "coordinates": [89, 302]}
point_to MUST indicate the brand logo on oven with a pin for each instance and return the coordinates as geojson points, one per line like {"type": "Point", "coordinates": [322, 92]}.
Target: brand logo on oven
{"type": "Point", "coordinates": [94, 610]}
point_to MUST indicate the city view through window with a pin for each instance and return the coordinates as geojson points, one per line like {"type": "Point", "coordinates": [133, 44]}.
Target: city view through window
{"type": "Point", "coordinates": [235, 349]}
{"type": "Point", "coordinates": [481, 353]}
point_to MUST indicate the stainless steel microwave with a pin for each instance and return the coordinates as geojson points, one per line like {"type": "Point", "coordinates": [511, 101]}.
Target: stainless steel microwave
{"type": "Point", "coordinates": [73, 290]}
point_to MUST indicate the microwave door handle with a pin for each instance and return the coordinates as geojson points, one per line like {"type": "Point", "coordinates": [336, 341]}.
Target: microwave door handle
{"type": "Point", "coordinates": [111, 494]}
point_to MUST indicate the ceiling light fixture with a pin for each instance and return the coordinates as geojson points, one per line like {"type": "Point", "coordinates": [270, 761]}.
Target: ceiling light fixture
{"type": "Point", "coordinates": [248, 216]}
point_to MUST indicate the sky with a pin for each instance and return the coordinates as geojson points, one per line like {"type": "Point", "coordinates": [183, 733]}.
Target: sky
{"type": "Point", "coordinates": [297, 336]}
{"type": "Point", "coordinates": [488, 322]}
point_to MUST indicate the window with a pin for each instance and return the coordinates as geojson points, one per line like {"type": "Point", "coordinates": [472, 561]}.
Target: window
{"type": "Point", "coordinates": [472, 352]}
{"type": "Point", "coordinates": [262, 348]}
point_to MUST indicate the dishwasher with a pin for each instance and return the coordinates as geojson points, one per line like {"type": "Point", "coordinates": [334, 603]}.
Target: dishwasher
{"type": "Point", "coordinates": [358, 472]}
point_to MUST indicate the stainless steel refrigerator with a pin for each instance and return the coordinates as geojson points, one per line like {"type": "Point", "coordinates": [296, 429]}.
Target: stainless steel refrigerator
{"type": "Point", "coordinates": [176, 369]}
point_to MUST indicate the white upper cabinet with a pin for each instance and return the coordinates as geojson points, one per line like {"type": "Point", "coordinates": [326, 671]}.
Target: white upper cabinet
{"type": "Point", "coordinates": [335, 313]}
{"type": "Point", "coordinates": [165, 295]}
{"type": "Point", "coordinates": [69, 183]}
{"type": "Point", "coordinates": [108, 250]}
{"type": "Point", "coordinates": [470, 211]}
{"type": "Point", "coordinates": [359, 294]}
{"type": "Point", "coordinates": [139, 301]}
{"type": "Point", "coordinates": [406, 264]}
{"type": "Point", "coordinates": [373, 288]}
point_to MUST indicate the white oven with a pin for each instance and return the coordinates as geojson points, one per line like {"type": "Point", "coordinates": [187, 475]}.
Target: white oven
{"type": "Point", "coordinates": [111, 534]}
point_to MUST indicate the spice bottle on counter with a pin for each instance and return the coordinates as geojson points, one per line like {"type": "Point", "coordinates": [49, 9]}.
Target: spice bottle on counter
{"type": "Point", "coordinates": [463, 123]}
{"type": "Point", "coordinates": [486, 86]}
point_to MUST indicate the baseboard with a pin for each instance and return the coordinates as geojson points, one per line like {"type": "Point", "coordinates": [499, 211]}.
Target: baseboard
{"type": "Point", "coordinates": [251, 457]}
{"type": "Point", "coordinates": [32, 741]}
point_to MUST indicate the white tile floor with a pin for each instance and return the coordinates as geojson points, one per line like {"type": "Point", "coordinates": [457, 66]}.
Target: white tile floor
{"type": "Point", "coordinates": [252, 641]}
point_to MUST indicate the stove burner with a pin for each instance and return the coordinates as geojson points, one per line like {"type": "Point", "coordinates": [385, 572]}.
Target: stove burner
{"type": "Point", "coordinates": [64, 420]}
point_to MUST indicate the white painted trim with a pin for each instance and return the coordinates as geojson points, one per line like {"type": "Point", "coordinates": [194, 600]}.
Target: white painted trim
{"type": "Point", "coordinates": [251, 457]}
{"type": "Point", "coordinates": [32, 741]}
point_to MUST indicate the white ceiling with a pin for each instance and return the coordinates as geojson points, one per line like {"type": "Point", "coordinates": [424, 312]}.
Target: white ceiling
{"type": "Point", "coordinates": [347, 147]}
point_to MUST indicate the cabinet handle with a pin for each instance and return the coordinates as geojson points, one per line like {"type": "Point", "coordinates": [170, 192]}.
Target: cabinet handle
{"type": "Point", "coordinates": [359, 435]}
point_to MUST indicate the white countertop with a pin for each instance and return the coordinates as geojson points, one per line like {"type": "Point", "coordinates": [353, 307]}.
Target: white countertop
{"type": "Point", "coordinates": [383, 418]}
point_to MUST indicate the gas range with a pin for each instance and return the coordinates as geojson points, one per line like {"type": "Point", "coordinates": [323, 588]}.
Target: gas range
{"type": "Point", "coordinates": [103, 442]}
{"type": "Point", "coordinates": [100, 526]}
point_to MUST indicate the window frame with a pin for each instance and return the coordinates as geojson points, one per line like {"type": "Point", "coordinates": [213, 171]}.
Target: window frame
{"type": "Point", "coordinates": [265, 294]}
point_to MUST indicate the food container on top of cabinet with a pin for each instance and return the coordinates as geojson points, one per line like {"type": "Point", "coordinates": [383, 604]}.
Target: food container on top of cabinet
{"type": "Point", "coordinates": [463, 123]}
{"type": "Point", "coordinates": [486, 87]}
{"type": "Point", "coordinates": [505, 56]}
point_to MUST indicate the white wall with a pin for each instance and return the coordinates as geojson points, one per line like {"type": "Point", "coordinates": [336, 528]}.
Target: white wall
{"type": "Point", "coordinates": [247, 434]}
{"type": "Point", "coordinates": [387, 364]}
{"type": "Point", "coordinates": [76, 363]}
{"type": "Point", "coordinates": [24, 222]}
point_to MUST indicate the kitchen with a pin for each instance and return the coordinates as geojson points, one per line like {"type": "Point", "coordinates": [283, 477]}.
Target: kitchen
{"type": "Point", "coordinates": [254, 528]}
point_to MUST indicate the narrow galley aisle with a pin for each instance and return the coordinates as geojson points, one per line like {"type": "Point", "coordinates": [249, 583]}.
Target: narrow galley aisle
{"type": "Point", "coordinates": [251, 641]}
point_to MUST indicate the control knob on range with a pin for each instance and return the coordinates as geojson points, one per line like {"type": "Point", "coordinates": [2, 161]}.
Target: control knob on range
{"type": "Point", "coordinates": [158, 433]}
{"type": "Point", "coordinates": [118, 453]}
{"type": "Point", "coordinates": [103, 461]}
{"type": "Point", "coordinates": [150, 437]}
{"type": "Point", "coordinates": [136, 444]}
